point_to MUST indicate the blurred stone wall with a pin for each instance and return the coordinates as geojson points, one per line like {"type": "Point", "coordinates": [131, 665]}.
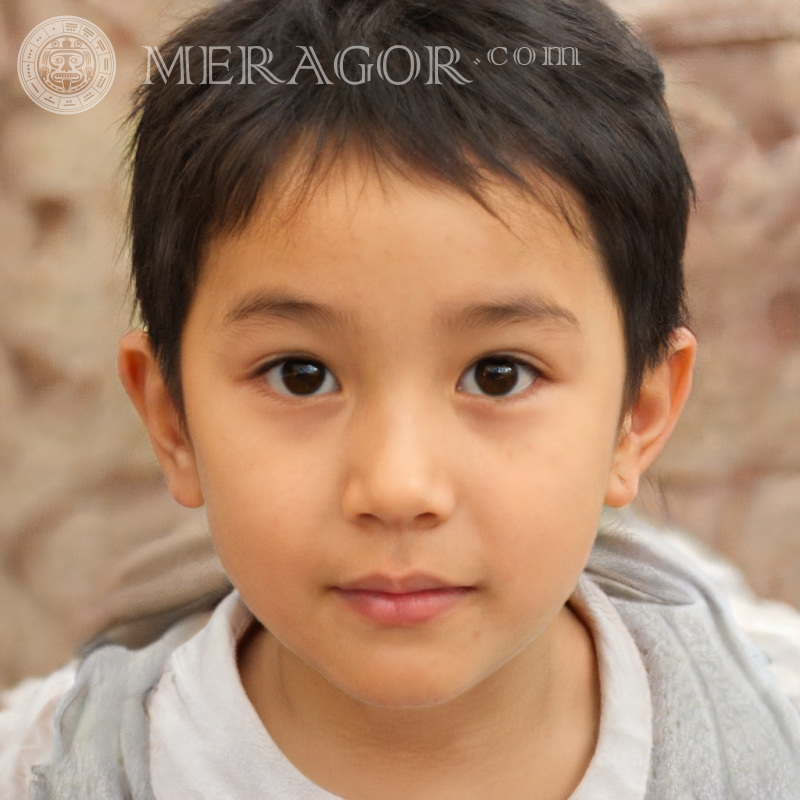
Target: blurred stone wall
{"type": "Point", "coordinates": [731, 473]}
{"type": "Point", "coordinates": [89, 537]}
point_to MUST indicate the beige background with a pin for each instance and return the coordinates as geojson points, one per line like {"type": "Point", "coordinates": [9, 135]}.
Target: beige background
{"type": "Point", "coordinates": [89, 536]}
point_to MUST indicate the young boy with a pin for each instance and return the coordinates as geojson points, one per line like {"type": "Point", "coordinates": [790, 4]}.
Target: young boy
{"type": "Point", "coordinates": [404, 339]}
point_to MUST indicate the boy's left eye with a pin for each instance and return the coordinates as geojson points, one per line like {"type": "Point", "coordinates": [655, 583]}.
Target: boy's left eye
{"type": "Point", "coordinates": [498, 376]}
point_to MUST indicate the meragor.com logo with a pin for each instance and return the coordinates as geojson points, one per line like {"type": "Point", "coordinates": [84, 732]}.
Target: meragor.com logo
{"type": "Point", "coordinates": [66, 65]}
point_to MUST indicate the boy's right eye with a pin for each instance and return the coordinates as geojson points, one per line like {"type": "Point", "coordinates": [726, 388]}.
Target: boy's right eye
{"type": "Point", "coordinates": [299, 377]}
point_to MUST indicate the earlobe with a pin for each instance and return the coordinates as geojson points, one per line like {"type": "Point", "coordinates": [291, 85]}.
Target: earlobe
{"type": "Point", "coordinates": [650, 422]}
{"type": "Point", "coordinates": [140, 375]}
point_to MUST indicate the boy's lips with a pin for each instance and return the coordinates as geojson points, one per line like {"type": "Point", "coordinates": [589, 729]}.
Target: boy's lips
{"type": "Point", "coordinates": [407, 600]}
{"type": "Point", "coordinates": [414, 582]}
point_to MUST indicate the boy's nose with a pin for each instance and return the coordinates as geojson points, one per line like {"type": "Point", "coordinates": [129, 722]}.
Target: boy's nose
{"type": "Point", "coordinates": [397, 476]}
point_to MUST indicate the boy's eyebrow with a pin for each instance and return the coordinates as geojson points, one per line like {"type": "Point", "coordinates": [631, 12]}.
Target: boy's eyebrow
{"type": "Point", "coordinates": [517, 308]}
{"type": "Point", "coordinates": [266, 305]}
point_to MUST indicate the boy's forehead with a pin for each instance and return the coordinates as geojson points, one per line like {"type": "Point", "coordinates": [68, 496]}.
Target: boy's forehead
{"type": "Point", "coordinates": [359, 192]}
{"type": "Point", "coordinates": [353, 226]}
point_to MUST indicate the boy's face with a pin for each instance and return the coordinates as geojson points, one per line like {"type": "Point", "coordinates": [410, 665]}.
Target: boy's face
{"type": "Point", "coordinates": [409, 500]}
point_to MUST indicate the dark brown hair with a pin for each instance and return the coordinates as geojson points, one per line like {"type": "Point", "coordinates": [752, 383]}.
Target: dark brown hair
{"type": "Point", "coordinates": [203, 154]}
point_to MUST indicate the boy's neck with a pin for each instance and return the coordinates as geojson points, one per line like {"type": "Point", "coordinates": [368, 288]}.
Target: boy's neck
{"type": "Point", "coordinates": [528, 730]}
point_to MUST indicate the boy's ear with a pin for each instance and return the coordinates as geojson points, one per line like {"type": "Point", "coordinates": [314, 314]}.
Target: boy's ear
{"type": "Point", "coordinates": [141, 376]}
{"type": "Point", "coordinates": [648, 425]}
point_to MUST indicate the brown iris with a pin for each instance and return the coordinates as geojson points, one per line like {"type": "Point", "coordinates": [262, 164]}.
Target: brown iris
{"type": "Point", "coordinates": [302, 377]}
{"type": "Point", "coordinates": [496, 376]}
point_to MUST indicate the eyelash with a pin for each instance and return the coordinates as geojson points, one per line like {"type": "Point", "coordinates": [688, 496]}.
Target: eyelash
{"type": "Point", "coordinates": [533, 372]}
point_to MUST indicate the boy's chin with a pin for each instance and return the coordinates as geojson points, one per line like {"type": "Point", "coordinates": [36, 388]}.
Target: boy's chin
{"type": "Point", "coordinates": [405, 687]}
{"type": "Point", "coordinates": [391, 697]}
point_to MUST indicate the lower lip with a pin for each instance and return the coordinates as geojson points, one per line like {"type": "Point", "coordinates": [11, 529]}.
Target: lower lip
{"type": "Point", "coordinates": [409, 608]}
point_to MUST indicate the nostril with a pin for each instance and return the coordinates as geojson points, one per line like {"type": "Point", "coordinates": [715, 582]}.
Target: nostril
{"type": "Point", "coordinates": [784, 315]}
{"type": "Point", "coordinates": [50, 214]}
